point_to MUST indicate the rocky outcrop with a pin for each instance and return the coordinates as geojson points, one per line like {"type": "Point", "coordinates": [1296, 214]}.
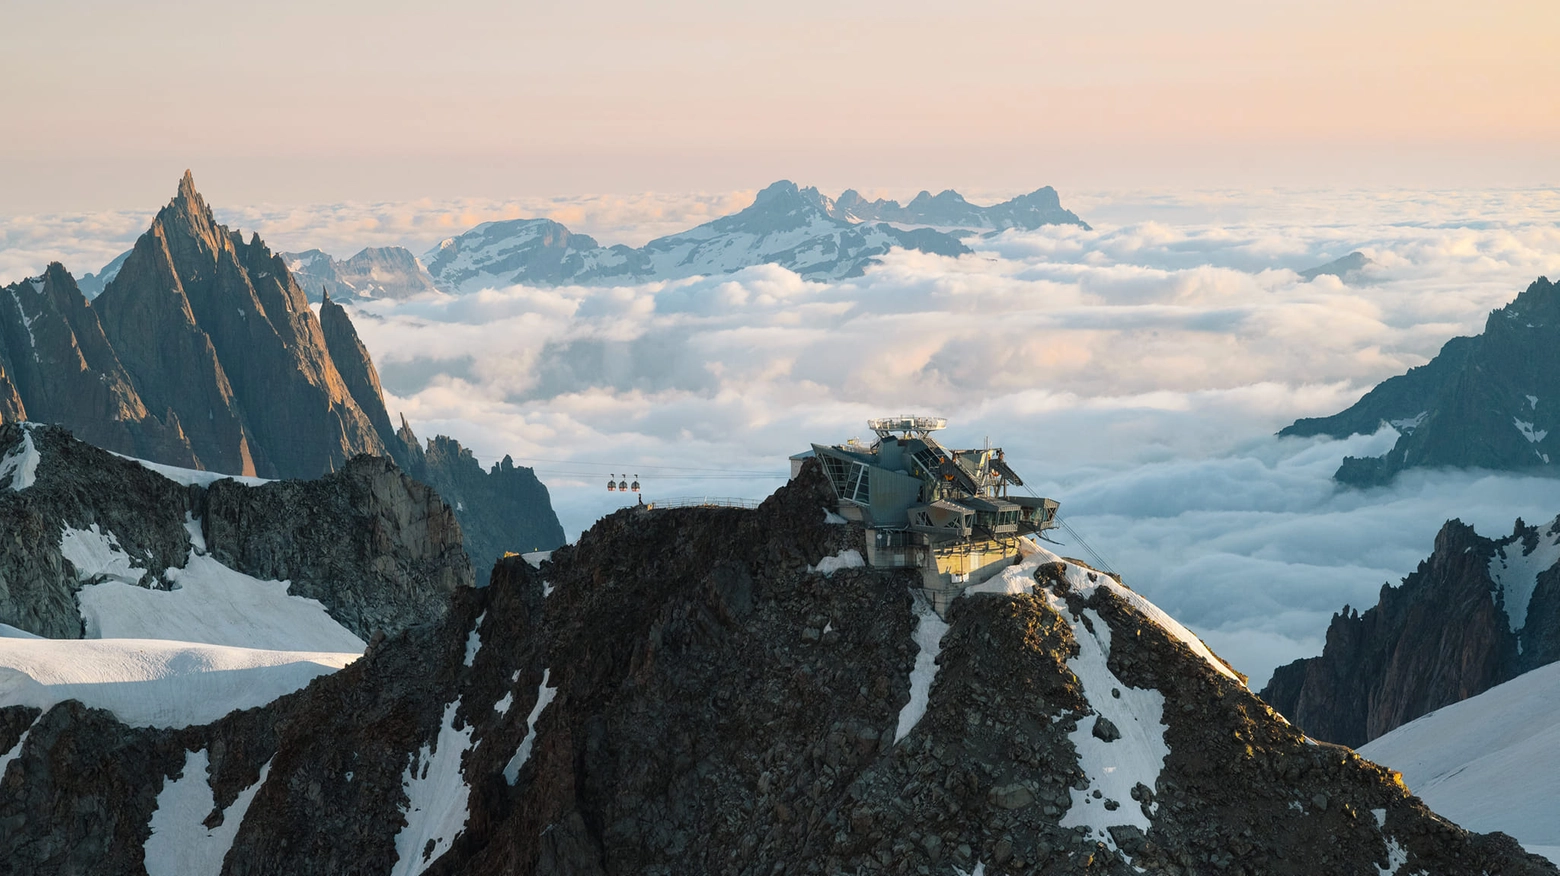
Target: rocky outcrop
{"type": "Point", "coordinates": [379, 550]}
{"type": "Point", "coordinates": [1491, 401]}
{"type": "Point", "coordinates": [390, 272]}
{"type": "Point", "coordinates": [502, 509]}
{"type": "Point", "coordinates": [1476, 613]}
{"type": "Point", "coordinates": [679, 693]}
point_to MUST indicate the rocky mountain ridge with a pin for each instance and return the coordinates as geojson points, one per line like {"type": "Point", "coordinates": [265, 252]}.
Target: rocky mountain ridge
{"type": "Point", "coordinates": [1489, 401]}
{"type": "Point", "coordinates": [1476, 613]}
{"type": "Point", "coordinates": [683, 692]}
{"type": "Point", "coordinates": [202, 352]}
{"type": "Point", "coordinates": [380, 551]}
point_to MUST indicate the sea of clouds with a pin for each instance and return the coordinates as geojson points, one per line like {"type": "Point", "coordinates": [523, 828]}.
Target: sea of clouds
{"type": "Point", "coordinates": [1135, 372]}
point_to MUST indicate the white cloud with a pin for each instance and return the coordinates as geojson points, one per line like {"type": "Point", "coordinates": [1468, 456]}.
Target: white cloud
{"type": "Point", "coordinates": [1136, 372]}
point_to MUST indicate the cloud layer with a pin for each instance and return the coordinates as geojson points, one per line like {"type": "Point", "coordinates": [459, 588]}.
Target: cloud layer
{"type": "Point", "coordinates": [1136, 372]}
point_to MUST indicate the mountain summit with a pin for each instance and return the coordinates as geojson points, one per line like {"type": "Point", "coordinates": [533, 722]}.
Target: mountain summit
{"type": "Point", "coordinates": [203, 352]}
{"type": "Point", "coordinates": [700, 691]}
{"type": "Point", "coordinates": [1489, 401]}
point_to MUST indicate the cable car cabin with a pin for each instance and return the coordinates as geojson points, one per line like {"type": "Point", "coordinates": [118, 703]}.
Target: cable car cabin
{"type": "Point", "coordinates": [946, 512]}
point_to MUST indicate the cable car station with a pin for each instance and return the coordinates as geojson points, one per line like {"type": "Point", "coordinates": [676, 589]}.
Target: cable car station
{"type": "Point", "coordinates": [945, 512]}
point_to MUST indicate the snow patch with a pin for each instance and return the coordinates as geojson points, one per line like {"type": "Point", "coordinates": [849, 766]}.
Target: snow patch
{"type": "Point", "coordinates": [213, 604]}
{"type": "Point", "coordinates": [1397, 856]}
{"type": "Point", "coordinates": [1533, 436]}
{"type": "Point", "coordinates": [929, 631]}
{"type": "Point", "coordinates": [154, 683]}
{"type": "Point", "coordinates": [16, 750]}
{"type": "Point", "coordinates": [547, 589]}
{"type": "Point", "coordinates": [980, 870]}
{"type": "Point", "coordinates": [1407, 426]}
{"type": "Point", "coordinates": [544, 696]}
{"type": "Point", "coordinates": [21, 464]}
{"type": "Point", "coordinates": [537, 558]}
{"type": "Point", "coordinates": [502, 706]}
{"type": "Point", "coordinates": [436, 795]}
{"type": "Point", "coordinates": [180, 843]}
{"type": "Point", "coordinates": [1113, 768]}
{"type": "Point", "coordinates": [1516, 575]}
{"type": "Point", "coordinates": [97, 554]}
{"type": "Point", "coordinates": [1532, 402]}
{"type": "Point", "coordinates": [474, 639]}
{"type": "Point", "coordinates": [197, 535]}
{"type": "Point", "coordinates": [831, 517]}
{"type": "Point", "coordinates": [846, 559]}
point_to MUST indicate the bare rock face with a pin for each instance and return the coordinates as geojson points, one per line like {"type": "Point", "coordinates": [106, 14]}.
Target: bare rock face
{"type": "Point", "coordinates": [1476, 613]}
{"type": "Point", "coordinates": [233, 320]}
{"type": "Point", "coordinates": [651, 702]}
{"type": "Point", "coordinates": [202, 352]}
{"type": "Point", "coordinates": [1488, 402]}
{"type": "Point", "coordinates": [381, 551]}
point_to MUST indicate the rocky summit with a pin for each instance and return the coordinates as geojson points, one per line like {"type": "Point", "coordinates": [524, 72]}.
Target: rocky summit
{"type": "Point", "coordinates": [1490, 401]}
{"type": "Point", "coordinates": [202, 352]}
{"type": "Point", "coordinates": [1476, 613]}
{"type": "Point", "coordinates": [722, 691]}
{"type": "Point", "coordinates": [91, 539]}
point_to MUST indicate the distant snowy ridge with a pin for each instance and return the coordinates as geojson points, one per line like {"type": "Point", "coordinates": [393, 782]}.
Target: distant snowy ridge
{"type": "Point", "coordinates": [795, 228]}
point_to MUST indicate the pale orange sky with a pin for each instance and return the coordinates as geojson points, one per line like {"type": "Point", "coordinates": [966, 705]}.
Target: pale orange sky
{"type": "Point", "coordinates": [292, 101]}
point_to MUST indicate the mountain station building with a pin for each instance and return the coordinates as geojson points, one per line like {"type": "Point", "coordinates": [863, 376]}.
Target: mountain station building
{"type": "Point", "coordinates": [946, 512]}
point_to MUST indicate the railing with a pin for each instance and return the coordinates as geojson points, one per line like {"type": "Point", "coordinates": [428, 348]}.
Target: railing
{"type": "Point", "coordinates": [703, 502]}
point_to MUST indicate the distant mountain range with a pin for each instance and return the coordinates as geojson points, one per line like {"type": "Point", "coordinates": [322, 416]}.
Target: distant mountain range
{"type": "Point", "coordinates": [1489, 401]}
{"type": "Point", "coordinates": [202, 352]}
{"type": "Point", "coordinates": [376, 272]}
{"type": "Point", "coordinates": [949, 209]}
{"type": "Point", "coordinates": [797, 228]}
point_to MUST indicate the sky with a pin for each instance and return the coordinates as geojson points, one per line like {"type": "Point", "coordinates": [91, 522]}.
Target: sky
{"type": "Point", "coordinates": [1139, 370]}
{"type": "Point", "coordinates": [294, 102]}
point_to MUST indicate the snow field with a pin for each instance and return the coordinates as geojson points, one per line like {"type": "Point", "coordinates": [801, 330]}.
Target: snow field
{"type": "Point", "coordinates": [544, 696]}
{"type": "Point", "coordinates": [191, 477]}
{"type": "Point", "coordinates": [180, 844]}
{"type": "Point", "coordinates": [216, 605]}
{"type": "Point", "coordinates": [436, 794]}
{"type": "Point", "coordinates": [1488, 762]}
{"type": "Point", "coordinates": [154, 682]}
{"type": "Point", "coordinates": [95, 553]}
{"type": "Point", "coordinates": [929, 631]}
